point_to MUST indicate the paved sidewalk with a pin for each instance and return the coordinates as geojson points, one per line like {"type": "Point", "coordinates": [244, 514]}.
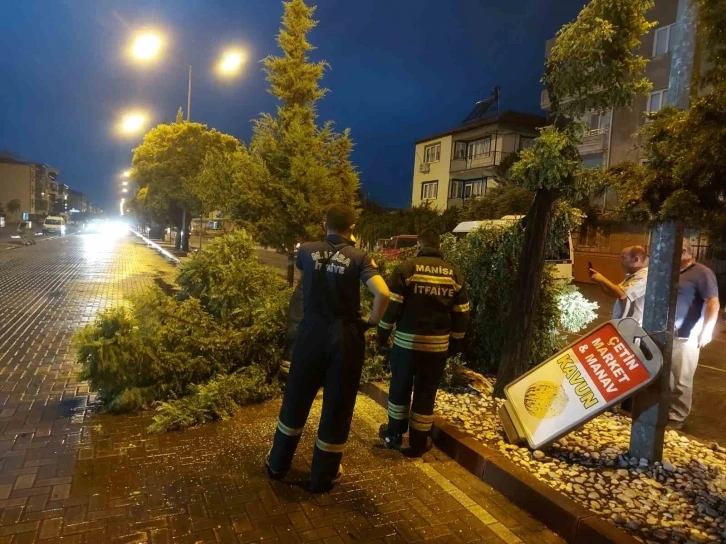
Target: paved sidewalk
{"type": "Point", "coordinates": [70, 474]}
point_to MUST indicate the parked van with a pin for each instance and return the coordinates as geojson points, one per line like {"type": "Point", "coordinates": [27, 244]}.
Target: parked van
{"type": "Point", "coordinates": [561, 258]}
{"type": "Point", "coordinates": [54, 224]}
{"type": "Point", "coordinates": [393, 247]}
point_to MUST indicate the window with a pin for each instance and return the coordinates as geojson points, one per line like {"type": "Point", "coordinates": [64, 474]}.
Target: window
{"type": "Point", "coordinates": [525, 142]}
{"type": "Point", "coordinates": [457, 189]}
{"type": "Point", "coordinates": [592, 161]}
{"type": "Point", "coordinates": [480, 147]}
{"type": "Point", "coordinates": [662, 41]}
{"type": "Point", "coordinates": [475, 188]}
{"type": "Point", "coordinates": [429, 190]}
{"type": "Point", "coordinates": [432, 153]}
{"type": "Point", "coordinates": [460, 150]}
{"type": "Point", "coordinates": [657, 100]}
{"type": "Point", "coordinates": [593, 237]}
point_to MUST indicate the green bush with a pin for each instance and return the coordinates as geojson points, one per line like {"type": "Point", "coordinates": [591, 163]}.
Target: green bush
{"type": "Point", "coordinates": [489, 258]}
{"type": "Point", "coordinates": [219, 398]}
{"type": "Point", "coordinates": [230, 315]}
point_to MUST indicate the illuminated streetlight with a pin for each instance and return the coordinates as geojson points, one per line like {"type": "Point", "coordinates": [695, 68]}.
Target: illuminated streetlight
{"type": "Point", "coordinates": [146, 46]}
{"type": "Point", "coordinates": [131, 123]}
{"type": "Point", "coordinates": [127, 173]}
{"type": "Point", "coordinates": [124, 190]}
{"type": "Point", "coordinates": [125, 183]}
{"type": "Point", "coordinates": [231, 62]}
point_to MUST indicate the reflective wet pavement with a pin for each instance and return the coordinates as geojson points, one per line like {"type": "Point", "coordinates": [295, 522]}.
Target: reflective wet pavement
{"type": "Point", "coordinates": [71, 474]}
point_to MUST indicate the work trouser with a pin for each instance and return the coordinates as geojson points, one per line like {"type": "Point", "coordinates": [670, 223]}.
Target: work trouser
{"type": "Point", "coordinates": [683, 369]}
{"type": "Point", "coordinates": [328, 352]}
{"type": "Point", "coordinates": [422, 372]}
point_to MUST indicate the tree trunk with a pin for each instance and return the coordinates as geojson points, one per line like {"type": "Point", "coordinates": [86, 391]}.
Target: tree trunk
{"type": "Point", "coordinates": [517, 350]}
{"type": "Point", "coordinates": [291, 265]}
{"type": "Point", "coordinates": [186, 229]}
{"type": "Point", "coordinates": [179, 229]}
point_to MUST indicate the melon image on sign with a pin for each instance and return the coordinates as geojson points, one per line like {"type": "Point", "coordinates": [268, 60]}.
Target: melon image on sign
{"type": "Point", "coordinates": [545, 399]}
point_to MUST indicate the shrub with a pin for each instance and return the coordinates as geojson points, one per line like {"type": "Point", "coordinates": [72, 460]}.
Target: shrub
{"type": "Point", "coordinates": [229, 316]}
{"type": "Point", "coordinates": [217, 399]}
{"type": "Point", "coordinates": [488, 258]}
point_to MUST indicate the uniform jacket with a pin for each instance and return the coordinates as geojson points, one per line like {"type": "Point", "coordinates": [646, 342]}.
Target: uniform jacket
{"type": "Point", "coordinates": [429, 305]}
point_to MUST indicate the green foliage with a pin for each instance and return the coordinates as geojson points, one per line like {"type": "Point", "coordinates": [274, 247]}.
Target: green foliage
{"type": "Point", "coordinates": [228, 279]}
{"type": "Point", "coordinates": [168, 163]}
{"type": "Point", "coordinates": [219, 398]}
{"type": "Point", "coordinates": [502, 200]}
{"type": "Point", "coordinates": [711, 24]}
{"type": "Point", "coordinates": [593, 65]}
{"type": "Point", "coordinates": [299, 168]}
{"type": "Point", "coordinates": [230, 315]}
{"type": "Point", "coordinates": [553, 162]}
{"type": "Point", "coordinates": [685, 172]}
{"type": "Point", "coordinates": [453, 373]}
{"type": "Point", "coordinates": [13, 206]}
{"type": "Point", "coordinates": [489, 259]}
{"type": "Point", "coordinates": [377, 223]}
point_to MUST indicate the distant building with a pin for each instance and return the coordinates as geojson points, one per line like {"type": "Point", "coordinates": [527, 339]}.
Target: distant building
{"type": "Point", "coordinates": [455, 167]}
{"type": "Point", "coordinates": [29, 183]}
{"type": "Point", "coordinates": [612, 138]}
{"type": "Point", "coordinates": [76, 202]}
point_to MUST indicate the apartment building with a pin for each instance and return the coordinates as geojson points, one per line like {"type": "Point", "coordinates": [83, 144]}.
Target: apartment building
{"type": "Point", "coordinates": [25, 182]}
{"type": "Point", "coordinates": [455, 167]}
{"type": "Point", "coordinates": [612, 136]}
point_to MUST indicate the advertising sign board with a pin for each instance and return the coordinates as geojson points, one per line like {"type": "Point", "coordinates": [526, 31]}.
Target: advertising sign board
{"type": "Point", "coordinates": [599, 370]}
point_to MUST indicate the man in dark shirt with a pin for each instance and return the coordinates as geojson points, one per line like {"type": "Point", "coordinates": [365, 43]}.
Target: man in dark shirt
{"type": "Point", "coordinates": [430, 309]}
{"type": "Point", "coordinates": [329, 348]}
{"type": "Point", "coordinates": [696, 315]}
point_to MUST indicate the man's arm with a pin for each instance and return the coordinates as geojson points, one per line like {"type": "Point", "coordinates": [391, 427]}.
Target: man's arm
{"type": "Point", "coordinates": [710, 317]}
{"type": "Point", "coordinates": [381, 296]}
{"type": "Point", "coordinates": [609, 287]}
{"type": "Point", "coordinates": [395, 308]}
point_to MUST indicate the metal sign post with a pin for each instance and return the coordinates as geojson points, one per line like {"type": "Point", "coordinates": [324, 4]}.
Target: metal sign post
{"type": "Point", "coordinates": [598, 371]}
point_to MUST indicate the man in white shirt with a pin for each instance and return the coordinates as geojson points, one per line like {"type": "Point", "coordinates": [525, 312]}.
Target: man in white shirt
{"type": "Point", "coordinates": [629, 293]}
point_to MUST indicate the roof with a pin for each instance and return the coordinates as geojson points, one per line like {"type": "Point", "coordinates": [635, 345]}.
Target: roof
{"type": "Point", "coordinates": [469, 226]}
{"type": "Point", "coordinates": [509, 117]}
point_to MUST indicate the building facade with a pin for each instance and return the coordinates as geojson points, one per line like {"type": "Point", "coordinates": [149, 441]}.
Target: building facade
{"type": "Point", "coordinates": [453, 168]}
{"type": "Point", "coordinates": [612, 137]}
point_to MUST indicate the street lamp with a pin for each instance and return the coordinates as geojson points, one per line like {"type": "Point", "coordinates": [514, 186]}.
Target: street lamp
{"type": "Point", "coordinates": [133, 122]}
{"type": "Point", "coordinates": [231, 62]}
{"type": "Point", "coordinates": [125, 183]}
{"type": "Point", "coordinates": [127, 174]}
{"type": "Point", "coordinates": [146, 46]}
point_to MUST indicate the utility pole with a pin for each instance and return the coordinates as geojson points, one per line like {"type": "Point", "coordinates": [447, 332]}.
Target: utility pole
{"type": "Point", "coordinates": [650, 407]}
{"type": "Point", "coordinates": [189, 95]}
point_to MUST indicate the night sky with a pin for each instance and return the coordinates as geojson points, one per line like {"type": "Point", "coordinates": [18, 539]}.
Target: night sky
{"type": "Point", "coordinates": [401, 70]}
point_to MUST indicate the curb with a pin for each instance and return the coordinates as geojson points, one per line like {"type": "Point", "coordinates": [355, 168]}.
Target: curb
{"type": "Point", "coordinates": [573, 522]}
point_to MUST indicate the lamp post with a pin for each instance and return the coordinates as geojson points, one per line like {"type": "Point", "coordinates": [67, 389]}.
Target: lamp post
{"type": "Point", "coordinates": [147, 46]}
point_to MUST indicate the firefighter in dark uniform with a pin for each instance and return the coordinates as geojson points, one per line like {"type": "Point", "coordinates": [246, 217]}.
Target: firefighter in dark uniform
{"type": "Point", "coordinates": [329, 348]}
{"type": "Point", "coordinates": [429, 309]}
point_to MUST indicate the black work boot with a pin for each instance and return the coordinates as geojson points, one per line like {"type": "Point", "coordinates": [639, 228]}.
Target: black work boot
{"type": "Point", "coordinates": [274, 475]}
{"type": "Point", "coordinates": [324, 487]}
{"type": "Point", "coordinates": [391, 440]}
{"type": "Point", "coordinates": [417, 450]}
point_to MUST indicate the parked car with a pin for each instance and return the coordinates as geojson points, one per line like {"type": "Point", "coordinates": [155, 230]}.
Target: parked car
{"type": "Point", "coordinates": [393, 247]}
{"type": "Point", "coordinates": [54, 224]}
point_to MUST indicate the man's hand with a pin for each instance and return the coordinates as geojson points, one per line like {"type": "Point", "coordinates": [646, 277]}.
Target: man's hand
{"type": "Point", "coordinates": [704, 338]}
{"type": "Point", "coordinates": [596, 276]}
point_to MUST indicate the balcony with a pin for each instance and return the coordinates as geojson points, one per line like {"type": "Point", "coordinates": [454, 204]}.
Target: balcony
{"type": "Point", "coordinates": [482, 160]}
{"type": "Point", "coordinates": [594, 141]}
{"type": "Point", "coordinates": [544, 100]}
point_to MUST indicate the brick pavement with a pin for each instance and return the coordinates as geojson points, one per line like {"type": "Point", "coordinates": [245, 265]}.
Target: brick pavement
{"type": "Point", "coordinates": [71, 474]}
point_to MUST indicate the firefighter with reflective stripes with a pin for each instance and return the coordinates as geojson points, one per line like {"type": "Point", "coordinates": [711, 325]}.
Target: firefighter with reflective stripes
{"type": "Point", "coordinates": [429, 310]}
{"type": "Point", "coordinates": [329, 348]}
